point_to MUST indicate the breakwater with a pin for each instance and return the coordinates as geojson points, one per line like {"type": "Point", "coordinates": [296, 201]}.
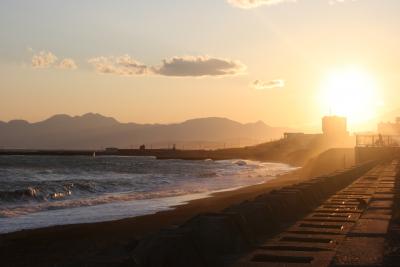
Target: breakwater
{"type": "Point", "coordinates": [215, 239]}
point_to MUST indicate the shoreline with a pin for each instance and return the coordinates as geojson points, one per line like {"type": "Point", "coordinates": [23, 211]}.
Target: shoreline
{"type": "Point", "coordinates": [111, 243]}
{"type": "Point", "coordinates": [163, 204]}
{"type": "Point", "coordinates": [190, 199]}
{"type": "Point", "coordinates": [127, 206]}
{"type": "Point", "coordinates": [87, 242]}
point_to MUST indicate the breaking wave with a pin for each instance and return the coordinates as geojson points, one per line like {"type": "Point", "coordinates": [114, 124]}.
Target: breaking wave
{"type": "Point", "coordinates": [31, 185]}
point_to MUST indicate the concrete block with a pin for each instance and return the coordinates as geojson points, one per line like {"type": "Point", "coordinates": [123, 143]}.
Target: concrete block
{"type": "Point", "coordinates": [360, 251]}
{"type": "Point", "coordinates": [370, 227]}
{"type": "Point", "coordinates": [274, 258]}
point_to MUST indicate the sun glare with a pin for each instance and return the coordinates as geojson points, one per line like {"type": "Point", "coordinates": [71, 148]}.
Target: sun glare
{"type": "Point", "coordinates": [350, 92]}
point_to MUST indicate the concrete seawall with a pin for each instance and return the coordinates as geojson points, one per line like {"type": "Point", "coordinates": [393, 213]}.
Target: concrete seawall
{"type": "Point", "coordinates": [219, 239]}
{"type": "Point", "coordinates": [348, 229]}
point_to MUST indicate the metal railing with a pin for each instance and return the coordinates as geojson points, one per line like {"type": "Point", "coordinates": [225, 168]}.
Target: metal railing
{"type": "Point", "coordinates": [377, 140]}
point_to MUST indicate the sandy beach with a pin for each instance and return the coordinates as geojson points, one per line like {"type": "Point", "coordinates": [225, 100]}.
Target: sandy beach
{"type": "Point", "coordinates": [108, 243]}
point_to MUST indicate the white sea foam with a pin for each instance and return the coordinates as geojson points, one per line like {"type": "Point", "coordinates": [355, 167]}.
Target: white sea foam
{"type": "Point", "coordinates": [82, 189]}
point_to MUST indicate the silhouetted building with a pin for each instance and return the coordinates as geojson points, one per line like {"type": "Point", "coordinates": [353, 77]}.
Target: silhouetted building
{"type": "Point", "coordinates": [292, 135]}
{"type": "Point", "coordinates": [142, 147]}
{"type": "Point", "coordinates": [389, 128]}
{"type": "Point", "coordinates": [334, 126]}
{"type": "Point", "coordinates": [111, 149]}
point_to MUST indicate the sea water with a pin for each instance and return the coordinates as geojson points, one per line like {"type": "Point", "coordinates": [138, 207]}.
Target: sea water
{"type": "Point", "coordinates": [40, 191]}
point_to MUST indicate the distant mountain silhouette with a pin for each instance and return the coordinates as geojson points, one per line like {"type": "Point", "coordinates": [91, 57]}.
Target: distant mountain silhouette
{"type": "Point", "coordinates": [94, 131]}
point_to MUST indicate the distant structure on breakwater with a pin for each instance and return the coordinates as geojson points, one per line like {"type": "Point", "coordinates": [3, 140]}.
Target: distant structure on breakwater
{"type": "Point", "coordinates": [383, 144]}
{"type": "Point", "coordinates": [333, 127]}
{"type": "Point", "coordinates": [389, 128]}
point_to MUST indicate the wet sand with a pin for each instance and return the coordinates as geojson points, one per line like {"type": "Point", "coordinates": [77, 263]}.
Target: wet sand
{"type": "Point", "coordinates": [109, 243]}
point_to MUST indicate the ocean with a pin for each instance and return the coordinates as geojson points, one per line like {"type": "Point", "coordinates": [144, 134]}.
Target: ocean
{"type": "Point", "coordinates": [40, 191]}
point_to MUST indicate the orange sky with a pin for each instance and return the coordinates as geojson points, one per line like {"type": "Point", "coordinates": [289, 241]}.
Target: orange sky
{"type": "Point", "coordinates": [168, 62]}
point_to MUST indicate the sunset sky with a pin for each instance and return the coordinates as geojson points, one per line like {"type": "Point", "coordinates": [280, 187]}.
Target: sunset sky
{"type": "Point", "coordinates": [168, 61]}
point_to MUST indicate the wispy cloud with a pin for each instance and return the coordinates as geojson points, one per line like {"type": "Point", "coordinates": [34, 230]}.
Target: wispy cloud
{"type": "Point", "coordinates": [262, 85]}
{"type": "Point", "coordinates": [199, 66]}
{"type": "Point", "coordinates": [247, 4]}
{"type": "Point", "coordinates": [123, 65]}
{"type": "Point", "coordinates": [43, 59]}
{"type": "Point", "coordinates": [194, 66]}
{"type": "Point", "coordinates": [68, 64]}
{"type": "Point", "coordinates": [46, 59]}
{"type": "Point", "coordinates": [332, 2]}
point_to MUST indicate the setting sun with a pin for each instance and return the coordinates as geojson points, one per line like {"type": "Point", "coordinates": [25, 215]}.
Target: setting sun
{"type": "Point", "coordinates": [350, 92]}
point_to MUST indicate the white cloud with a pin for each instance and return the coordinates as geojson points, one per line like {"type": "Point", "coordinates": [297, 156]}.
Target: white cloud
{"type": "Point", "coordinates": [67, 63]}
{"type": "Point", "coordinates": [46, 59]}
{"type": "Point", "coordinates": [123, 65]}
{"type": "Point", "coordinates": [43, 60]}
{"type": "Point", "coordinates": [199, 66]}
{"type": "Point", "coordinates": [246, 4]}
{"type": "Point", "coordinates": [262, 85]}
{"type": "Point", "coordinates": [332, 2]}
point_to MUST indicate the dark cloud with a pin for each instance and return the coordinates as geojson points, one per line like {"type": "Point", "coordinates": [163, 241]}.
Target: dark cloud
{"type": "Point", "coordinates": [176, 66]}
{"type": "Point", "coordinates": [199, 66]}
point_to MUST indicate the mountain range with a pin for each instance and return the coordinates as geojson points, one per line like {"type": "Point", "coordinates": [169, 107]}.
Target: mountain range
{"type": "Point", "coordinates": [95, 131]}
